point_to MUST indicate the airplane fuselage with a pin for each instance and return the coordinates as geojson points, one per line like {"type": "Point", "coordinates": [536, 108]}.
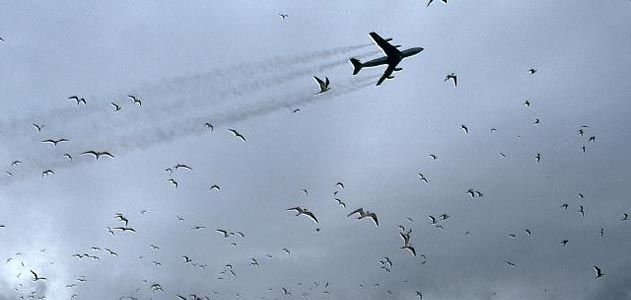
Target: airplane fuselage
{"type": "Point", "coordinates": [386, 60]}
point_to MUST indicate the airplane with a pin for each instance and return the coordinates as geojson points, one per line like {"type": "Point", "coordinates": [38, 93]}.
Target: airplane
{"type": "Point", "coordinates": [392, 59]}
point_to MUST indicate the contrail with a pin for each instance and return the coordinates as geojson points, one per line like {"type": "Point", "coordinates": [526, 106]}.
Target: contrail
{"type": "Point", "coordinates": [141, 130]}
{"type": "Point", "coordinates": [192, 91]}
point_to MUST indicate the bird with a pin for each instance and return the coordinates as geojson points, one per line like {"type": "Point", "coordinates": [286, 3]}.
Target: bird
{"type": "Point", "coordinates": [580, 132]}
{"type": "Point", "coordinates": [237, 134]}
{"type": "Point", "coordinates": [324, 85]}
{"type": "Point", "coordinates": [254, 262]}
{"type": "Point", "coordinates": [430, 2]}
{"type": "Point", "coordinates": [512, 264]}
{"type": "Point", "coordinates": [111, 252]}
{"type": "Point", "coordinates": [528, 231]}
{"type": "Point", "coordinates": [581, 210]}
{"type": "Point", "coordinates": [287, 251]}
{"type": "Point", "coordinates": [78, 100]}
{"type": "Point", "coordinates": [538, 157]}
{"type": "Point", "coordinates": [422, 177]}
{"type": "Point", "coordinates": [16, 163]}
{"type": "Point", "coordinates": [224, 232]}
{"type": "Point", "coordinates": [173, 182]}
{"type": "Point", "coordinates": [135, 100]}
{"type": "Point", "coordinates": [156, 287]}
{"type": "Point", "coordinates": [38, 127]}
{"type": "Point", "coordinates": [124, 229]}
{"type": "Point", "coordinates": [186, 259]}
{"type": "Point", "coordinates": [591, 139]}
{"type": "Point", "coordinates": [599, 272]}
{"type": "Point", "coordinates": [215, 187]}
{"type": "Point", "coordinates": [410, 248]}
{"type": "Point", "coordinates": [54, 142]}
{"type": "Point", "coordinates": [502, 154]}
{"type": "Point", "coordinates": [433, 156]}
{"type": "Point", "coordinates": [471, 193]}
{"type": "Point", "coordinates": [532, 71]}
{"type": "Point", "coordinates": [433, 220]}
{"type": "Point", "coordinates": [564, 206]}
{"type": "Point", "coordinates": [364, 214]}
{"type": "Point", "coordinates": [464, 128]}
{"type": "Point", "coordinates": [537, 121]}
{"type": "Point", "coordinates": [452, 77]}
{"type": "Point", "coordinates": [339, 202]}
{"type": "Point", "coordinates": [419, 295]}
{"type": "Point", "coordinates": [154, 247]}
{"type": "Point", "coordinates": [36, 277]}
{"type": "Point", "coordinates": [303, 211]}
{"type": "Point", "coordinates": [306, 192]}
{"type": "Point", "coordinates": [182, 166]}
{"type": "Point", "coordinates": [98, 154]}
{"type": "Point", "coordinates": [527, 103]}
{"type": "Point", "coordinates": [283, 16]}
{"type": "Point", "coordinates": [68, 156]}
{"type": "Point", "coordinates": [199, 227]}
{"type": "Point", "coordinates": [295, 110]}
{"type": "Point", "coordinates": [121, 218]}
{"type": "Point", "coordinates": [564, 242]}
{"type": "Point", "coordinates": [116, 106]}
{"type": "Point", "coordinates": [625, 217]}
{"type": "Point", "coordinates": [602, 232]}
{"type": "Point", "coordinates": [48, 172]}
{"type": "Point", "coordinates": [339, 184]}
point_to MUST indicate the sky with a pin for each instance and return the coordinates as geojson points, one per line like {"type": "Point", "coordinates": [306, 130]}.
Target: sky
{"type": "Point", "coordinates": [239, 65]}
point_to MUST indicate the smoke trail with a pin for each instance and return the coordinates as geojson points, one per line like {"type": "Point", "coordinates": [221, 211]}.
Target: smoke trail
{"type": "Point", "coordinates": [143, 130]}
{"type": "Point", "coordinates": [192, 91]}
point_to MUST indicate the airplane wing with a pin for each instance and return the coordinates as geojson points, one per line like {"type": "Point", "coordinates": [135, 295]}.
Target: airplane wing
{"type": "Point", "coordinates": [388, 49]}
{"type": "Point", "coordinates": [386, 74]}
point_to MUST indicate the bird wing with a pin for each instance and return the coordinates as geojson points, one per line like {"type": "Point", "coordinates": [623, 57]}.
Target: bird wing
{"type": "Point", "coordinates": [359, 210]}
{"type": "Point", "coordinates": [373, 216]}
{"type": "Point", "coordinates": [311, 215]}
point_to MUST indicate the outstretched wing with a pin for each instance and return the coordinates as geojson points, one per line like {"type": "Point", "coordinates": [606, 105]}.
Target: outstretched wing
{"type": "Point", "coordinates": [388, 49]}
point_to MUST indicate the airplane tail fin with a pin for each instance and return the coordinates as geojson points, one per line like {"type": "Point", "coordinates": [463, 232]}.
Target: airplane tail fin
{"type": "Point", "coordinates": [357, 65]}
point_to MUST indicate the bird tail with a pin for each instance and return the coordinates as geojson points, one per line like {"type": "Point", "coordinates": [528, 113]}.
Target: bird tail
{"type": "Point", "coordinates": [357, 65]}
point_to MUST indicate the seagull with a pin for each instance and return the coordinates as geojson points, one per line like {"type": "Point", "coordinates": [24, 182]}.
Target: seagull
{"type": "Point", "coordinates": [186, 259]}
{"type": "Point", "coordinates": [54, 142]}
{"type": "Point", "coordinates": [183, 166]}
{"type": "Point", "coordinates": [538, 157]}
{"type": "Point", "coordinates": [68, 156]}
{"type": "Point", "coordinates": [254, 262]}
{"type": "Point", "coordinates": [599, 272]}
{"type": "Point", "coordinates": [511, 264]}
{"type": "Point", "coordinates": [199, 227]}
{"type": "Point", "coordinates": [111, 252]}
{"type": "Point", "coordinates": [422, 177]}
{"type": "Point", "coordinates": [97, 154]}
{"type": "Point", "coordinates": [502, 154]}
{"type": "Point", "coordinates": [38, 127]}
{"type": "Point", "coordinates": [237, 134]}
{"type": "Point", "coordinates": [591, 139]}
{"type": "Point", "coordinates": [154, 247]}
{"type": "Point", "coordinates": [452, 77]}
{"type": "Point", "coordinates": [339, 184]}
{"type": "Point", "coordinates": [303, 211]}
{"type": "Point", "coordinates": [564, 242]}
{"type": "Point", "coordinates": [602, 232]}
{"type": "Point", "coordinates": [581, 211]}
{"type": "Point", "coordinates": [410, 248]}
{"type": "Point", "coordinates": [564, 206]}
{"type": "Point", "coordinates": [225, 233]}
{"type": "Point", "coordinates": [364, 214]}
{"type": "Point", "coordinates": [339, 201]}
{"type": "Point", "coordinates": [433, 156]}
{"type": "Point", "coordinates": [324, 85]}
{"type": "Point", "coordinates": [527, 103]}
{"type": "Point", "coordinates": [155, 287]}
{"type": "Point", "coordinates": [36, 278]}
{"type": "Point", "coordinates": [295, 110]}
{"type": "Point", "coordinates": [47, 173]}
{"type": "Point", "coordinates": [537, 121]}
{"type": "Point", "coordinates": [433, 219]}
{"type": "Point", "coordinates": [532, 71]}
{"type": "Point", "coordinates": [78, 100]}
{"type": "Point", "coordinates": [135, 100]}
{"type": "Point", "coordinates": [16, 163]}
{"type": "Point", "coordinates": [121, 218]}
{"type": "Point", "coordinates": [580, 132]}
{"type": "Point", "coordinates": [625, 217]}
{"type": "Point", "coordinates": [528, 231]}
{"type": "Point", "coordinates": [116, 106]}
{"type": "Point", "coordinates": [287, 251]}
{"type": "Point", "coordinates": [581, 195]}
{"type": "Point", "coordinates": [471, 193]}
{"type": "Point", "coordinates": [419, 295]}
{"type": "Point", "coordinates": [209, 126]}
{"type": "Point", "coordinates": [464, 128]}
{"type": "Point", "coordinates": [124, 229]}
{"type": "Point", "coordinates": [173, 182]}
{"type": "Point", "coordinates": [283, 16]}
{"type": "Point", "coordinates": [215, 187]}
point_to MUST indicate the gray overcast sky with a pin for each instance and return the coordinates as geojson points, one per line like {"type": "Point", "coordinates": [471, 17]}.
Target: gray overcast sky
{"type": "Point", "coordinates": [238, 65]}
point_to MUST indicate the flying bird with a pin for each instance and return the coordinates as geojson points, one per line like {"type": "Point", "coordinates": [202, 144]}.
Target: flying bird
{"type": "Point", "coordinates": [47, 173]}
{"type": "Point", "coordinates": [68, 156]}
{"type": "Point", "coordinates": [365, 214]}
{"type": "Point", "coordinates": [339, 184]}
{"type": "Point", "coordinates": [410, 248]}
{"type": "Point", "coordinates": [54, 142]}
{"type": "Point", "coordinates": [237, 134]}
{"type": "Point", "coordinates": [124, 229]}
{"type": "Point", "coordinates": [581, 210]}
{"type": "Point", "coordinates": [135, 100]}
{"type": "Point", "coordinates": [599, 272]}
{"type": "Point", "coordinates": [464, 128]}
{"type": "Point", "coordinates": [287, 251]}
{"type": "Point", "coordinates": [38, 127]}
{"type": "Point", "coordinates": [209, 126]}
{"type": "Point", "coordinates": [433, 156]}
{"type": "Point", "coordinates": [36, 277]}
{"type": "Point", "coordinates": [78, 100]}
{"type": "Point", "coordinates": [97, 154]}
{"type": "Point", "coordinates": [303, 211]}
{"type": "Point", "coordinates": [182, 166]}
{"type": "Point", "coordinates": [339, 202]}
{"type": "Point", "coordinates": [324, 85]}
{"type": "Point", "coordinates": [538, 157]}
{"type": "Point", "coordinates": [173, 182]}
{"type": "Point", "coordinates": [527, 103]}
{"type": "Point", "coordinates": [215, 187]}
{"type": "Point", "coordinates": [283, 16]}
{"type": "Point", "coordinates": [452, 77]}
{"type": "Point", "coordinates": [116, 107]}
{"type": "Point", "coordinates": [564, 242]}
{"type": "Point", "coordinates": [532, 71]}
